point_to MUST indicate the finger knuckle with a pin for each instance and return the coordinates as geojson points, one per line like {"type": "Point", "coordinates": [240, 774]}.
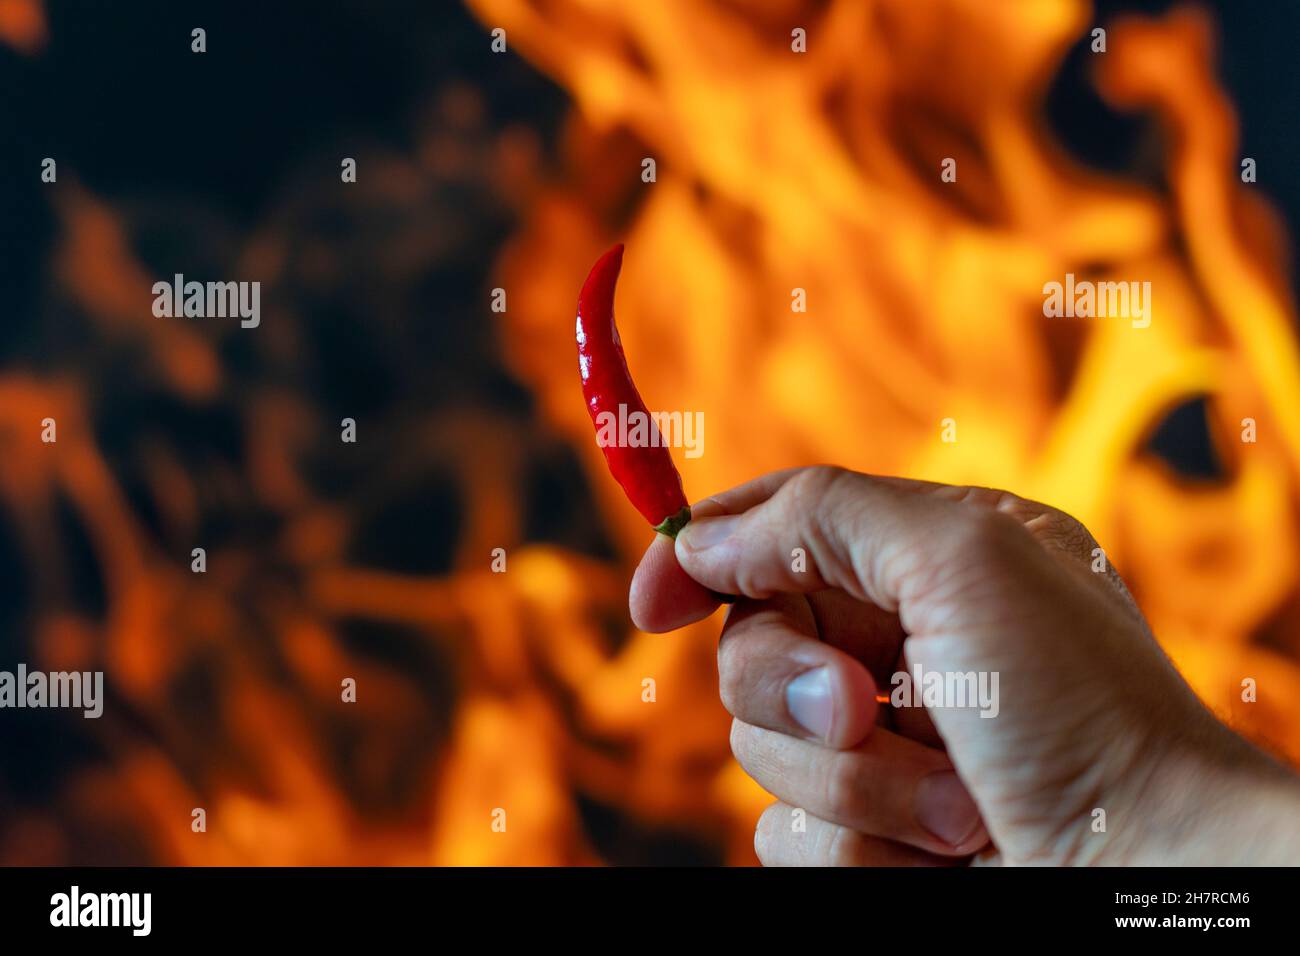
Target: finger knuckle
{"type": "Point", "coordinates": [843, 847]}
{"type": "Point", "coordinates": [845, 786]}
{"type": "Point", "coordinates": [806, 490]}
{"type": "Point", "coordinates": [820, 501]}
{"type": "Point", "coordinates": [750, 574]}
{"type": "Point", "coordinates": [815, 480]}
{"type": "Point", "coordinates": [995, 498]}
{"type": "Point", "coordinates": [1065, 532]}
{"type": "Point", "coordinates": [986, 535]}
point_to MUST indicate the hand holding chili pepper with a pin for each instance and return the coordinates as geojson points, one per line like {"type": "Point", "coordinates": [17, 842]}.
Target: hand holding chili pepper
{"type": "Point", "coordinates": [1072, 705]}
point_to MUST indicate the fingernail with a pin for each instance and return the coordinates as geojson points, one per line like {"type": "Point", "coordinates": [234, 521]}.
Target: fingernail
{"type": "Point", "coordinates": [808, 698]}
{"type": "Point", "coordinates": [703, 533]}
{"type": "Point", "coordinates": [707, 508]}
{"type": "Point", "coordinates": [945, 808]}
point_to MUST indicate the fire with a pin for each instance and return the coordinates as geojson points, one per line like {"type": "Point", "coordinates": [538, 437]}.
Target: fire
{"type": "Point", "coordinates": [525, 696]}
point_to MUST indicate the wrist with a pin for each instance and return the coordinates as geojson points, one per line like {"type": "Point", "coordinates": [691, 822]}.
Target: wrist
{"type": "Point", "coordinates": [1220, 803]}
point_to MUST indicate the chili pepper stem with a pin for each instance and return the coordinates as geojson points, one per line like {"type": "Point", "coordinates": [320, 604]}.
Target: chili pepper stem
{"type": "Point", "coordinates": [674, 523]}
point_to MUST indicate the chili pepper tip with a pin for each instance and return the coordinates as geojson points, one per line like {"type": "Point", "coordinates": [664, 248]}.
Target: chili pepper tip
{"type": "Point", "coordinates": [615, 255]}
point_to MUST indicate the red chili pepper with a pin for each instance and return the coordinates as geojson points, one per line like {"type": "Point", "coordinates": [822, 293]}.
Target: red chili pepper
{"type": "Point", "coordinates": [645, 471]}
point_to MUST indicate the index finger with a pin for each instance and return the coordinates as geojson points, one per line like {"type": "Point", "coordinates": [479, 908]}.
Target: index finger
{"type": "Point", "coordinates": [828, 527]}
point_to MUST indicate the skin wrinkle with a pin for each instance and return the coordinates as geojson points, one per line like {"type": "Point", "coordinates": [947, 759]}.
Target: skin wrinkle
{"type": "Point", "coordinates": [1068, 536]}
{"type": "Point", "coordinates": [841, 844]}
{"type": "Point", "coordinates": [1051, 791]}
{"type": "Point", "coordinates": [845, 776]}
{"type": "Point", "coordinates": [1132, 767]}
{"type": "Point", "coordinates": [980, 541]}
{"type": "Point", "coordinates": [843, 785]}
{"type": "Point", "coordinates": [1050, 787]}
{"type": "Point", "coordinates": [827, 484]}
{"type": "Point", "coordinates": [1069, 785]}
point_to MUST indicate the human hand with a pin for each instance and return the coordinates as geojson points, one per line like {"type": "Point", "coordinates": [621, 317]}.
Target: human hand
{"type": "Point", "coordinates": [1090, 713]}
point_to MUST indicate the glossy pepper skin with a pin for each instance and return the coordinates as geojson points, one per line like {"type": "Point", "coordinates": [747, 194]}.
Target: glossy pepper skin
{"type": "Point", "coordinates": [646, 473]}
